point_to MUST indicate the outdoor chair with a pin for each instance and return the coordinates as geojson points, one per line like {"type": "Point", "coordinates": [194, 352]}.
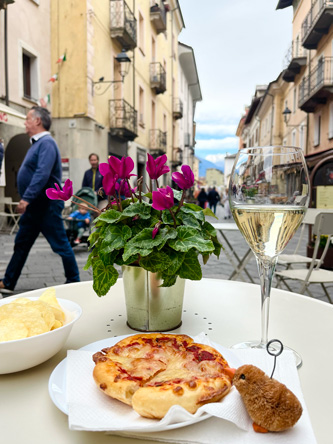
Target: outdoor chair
{"type": "Point", "coordinates": [314, 274]}
{"type": "Point", "coordinates": [9, 212]}
{"type": "Point", "coordinates": [288, 260]}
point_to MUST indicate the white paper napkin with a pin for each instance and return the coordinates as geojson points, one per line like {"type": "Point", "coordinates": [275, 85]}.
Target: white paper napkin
{"type": "Point", "coordinates": [90, 409]}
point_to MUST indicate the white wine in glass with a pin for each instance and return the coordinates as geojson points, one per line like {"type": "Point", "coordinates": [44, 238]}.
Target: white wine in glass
{"type": "Point", "coordinates": [268, 194]}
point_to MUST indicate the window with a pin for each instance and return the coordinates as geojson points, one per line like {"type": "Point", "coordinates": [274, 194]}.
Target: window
{"type": "Point", "coordinates": [141, 107]}
{"type": "Point", "coordinates": [317, 124]}
{"type": "Point", "coordinates": [153, 115]}
{"type": "Point", "coordinates": [141, 28]}
{"type": "Point", "coordinates": [153, 49]}
{"type": "Point", "coordinates": [293, 138]}
{"type": "Point", "coordinates": [165, 127]}
{"type": "Point", "coordinates": [295, 100]}
{"type": "Point", "coordinates": [330, 127]}
{"type": "Point", "coordinates": [302, 136]}
{"type": "Point", "coordinates": [29, 75]}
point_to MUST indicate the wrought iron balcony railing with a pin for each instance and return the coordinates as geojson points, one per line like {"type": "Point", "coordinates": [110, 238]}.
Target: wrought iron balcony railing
{"type": "Point", "coordinates": [177, 157]}
{"type": "Point", "coordinates": [295, 58]}
{"type": "Point", "coordinates": [317, 86]}
{"type": "Point", "coordinates": [157, 78]}
{"type": "Point", "coordinates": [123, 120]}
{"type": "Point", "coordinates": [316, 23]}
{"type": "Point", "coordinates": [123, 24]}
{"type": "Point", "coordinates": [158, 15]}
{"type": "Point", "coordinates": [177, 108]}
{"type": "Point", "coordinates": [157, 142]}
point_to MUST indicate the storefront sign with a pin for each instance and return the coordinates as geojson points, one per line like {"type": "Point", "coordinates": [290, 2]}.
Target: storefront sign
{"type": "Point", "coordinates": [325, 197]}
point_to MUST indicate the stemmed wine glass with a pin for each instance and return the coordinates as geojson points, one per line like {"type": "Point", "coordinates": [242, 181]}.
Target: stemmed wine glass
{"type": "Point", "coordinates": [269, 195]}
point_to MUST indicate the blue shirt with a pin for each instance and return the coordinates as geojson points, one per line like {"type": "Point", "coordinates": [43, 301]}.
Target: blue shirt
{"type": "Point", "coordinates": [77, 215]}
{"type": "Point", "coordinates": [41, 169]}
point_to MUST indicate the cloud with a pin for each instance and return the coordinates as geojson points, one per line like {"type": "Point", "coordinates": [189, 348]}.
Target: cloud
{"type": "Point", "coordinates": [217, 129]}
{"type": "Point", "coordinates": [218, 159]}
{"type": "Point", "coordinates": [226, 144]}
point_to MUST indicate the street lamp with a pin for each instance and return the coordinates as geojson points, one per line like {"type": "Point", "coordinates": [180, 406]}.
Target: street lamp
{"type": "Point", "coordinates": [124, 63]}
{"type": "Point", "coordinates": [286, 115]}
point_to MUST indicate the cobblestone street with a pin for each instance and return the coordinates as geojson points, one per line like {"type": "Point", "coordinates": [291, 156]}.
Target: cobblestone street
{"type": "Point", "coordinates": [44, 268]}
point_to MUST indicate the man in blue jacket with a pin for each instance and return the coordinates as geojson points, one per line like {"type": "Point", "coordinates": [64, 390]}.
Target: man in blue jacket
{"type": "Point", "coordinates": [92, 178]}
{"type": "Point", "coordinates": [40, 170]}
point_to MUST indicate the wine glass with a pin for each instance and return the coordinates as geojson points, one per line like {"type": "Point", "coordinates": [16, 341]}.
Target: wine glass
{"type": "Point", "coordinates": [268, 195]}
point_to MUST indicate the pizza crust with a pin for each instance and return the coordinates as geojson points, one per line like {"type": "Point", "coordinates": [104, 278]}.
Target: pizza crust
{"type": "Point", "coordinates": [153, 372]}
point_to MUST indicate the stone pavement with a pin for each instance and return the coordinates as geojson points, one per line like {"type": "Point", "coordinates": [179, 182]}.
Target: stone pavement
{"type": "Point", "coordinates": [44, 268]}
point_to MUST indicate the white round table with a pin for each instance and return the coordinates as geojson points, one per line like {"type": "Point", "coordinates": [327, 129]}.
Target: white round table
{"type": "Point", "coordinates": [228, 311]}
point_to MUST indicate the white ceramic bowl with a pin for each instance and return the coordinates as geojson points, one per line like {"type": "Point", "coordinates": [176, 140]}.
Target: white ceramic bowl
{"type": "Point", "coordinates": [22, 354]}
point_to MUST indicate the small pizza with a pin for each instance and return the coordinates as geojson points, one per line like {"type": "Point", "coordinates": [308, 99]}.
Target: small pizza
{"type": "Point", "coordinates": [152, 372]}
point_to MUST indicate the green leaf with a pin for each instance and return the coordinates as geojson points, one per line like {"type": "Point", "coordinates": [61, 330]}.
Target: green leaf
{"type": "Point", "coordinates": [168, 281]}
{"type": "Point", "coordinates": [110, 216]}
{"type": "Point", "coordinates": [188, 219]}
{"type": "Point", "coordinates": [89, 261]}
{"type": "Point", "coordinates": [208, 212]}
{"type": "Point", "coordinates": [156, 261]}
{"type": "Point", "coordinates": [167, 218]}
{"type": "Point", "coordinates": [177, 194]}
{"type": "Point", "coordinates": [104, 277]}
{"type": "Point", "coordinates": [108, 258]}
{"type": "Point", "coordinates": [190, 268]}
{"type": "Point", "coordinates": [145, 240]}
{"type": "Point", "coordinates": [115, 237]}
{"type": "Point", "coordinates": [142, 209]}
{"type": "Point", "coordinates": [193, 209]}
{"type": "Point", "coordinates": [190, 238]}
{"type": "Point", "coordinates": [177, 259]}
{"type": "Point", "coordinates": [93, 238]}
{"type": "Point", "coordinates": [165, 233]}
{"type": "Point", "coordinates": [131, 250]}
{"type": "Point", "coordinates": [209, 230]}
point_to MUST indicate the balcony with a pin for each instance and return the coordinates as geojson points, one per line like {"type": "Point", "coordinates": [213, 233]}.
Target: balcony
{"type": "Point", "coordinates": [157, 142]}
{"type": "Point", "coordinates": [317, 23]}
{"type": "Point", "coordinates": [157, 78]}
{"type": "Point", "coordinates": [158, 16]}
{"type": "Point", "coordinates": [177, 157]}
{"type": "Point", "coordinates": [123, 120]}
{"type": "Point", "coordinates": [316, 87]}
{"type": "Point", "coordinates": [295, 58]}
{"type": "Point", "coordinates": [122, 24]}
{"type": "Point", "coordinates": [177, 111]}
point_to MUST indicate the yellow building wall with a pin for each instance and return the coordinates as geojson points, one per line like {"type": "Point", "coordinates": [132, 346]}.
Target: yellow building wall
{"type": "Point", "coordinates": [69, 31]}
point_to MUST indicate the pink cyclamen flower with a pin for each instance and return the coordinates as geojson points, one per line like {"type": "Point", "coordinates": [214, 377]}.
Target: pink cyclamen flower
{"type": "Point", "coordinates": [163, 199]}
{"type": "Point", "coordinates": [184, 180]}
{"type": "Point", "coordinates": [156, 167]}
{"type": "Point", "coordinates": [58, 194]}
{"type": "Point", "coordinates": [156, 229]}
{"type": "Point", "coordinates": [109, 183]}
{"type": "Point", "coordinates": [122, 167]}
{"type": "Point", "coordinates": [124, 190]}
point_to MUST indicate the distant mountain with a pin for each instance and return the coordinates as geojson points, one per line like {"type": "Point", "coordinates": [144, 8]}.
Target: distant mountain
{"type": "Point", "coordinates": [205, 164]}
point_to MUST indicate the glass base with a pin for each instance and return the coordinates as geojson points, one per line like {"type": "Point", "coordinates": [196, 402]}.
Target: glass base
{"type": "Point", "coordinates": [259, 345]}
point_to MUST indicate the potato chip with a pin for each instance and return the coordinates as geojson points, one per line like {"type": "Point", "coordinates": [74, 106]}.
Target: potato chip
{"type": "Point", "coordinates": [12, 329]}
{"type": "Point", "coordinates": [50, 298]}
{"type": "Point", "coordinates": [24, 318]}
{"type": "Point", "coordinates": [46, 312]}
{"type": "Point", "coordinates": [56, 324]}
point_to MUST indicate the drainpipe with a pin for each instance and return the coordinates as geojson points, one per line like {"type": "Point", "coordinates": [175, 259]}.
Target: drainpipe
{"type": "Point", "coordinates": [6, 60]}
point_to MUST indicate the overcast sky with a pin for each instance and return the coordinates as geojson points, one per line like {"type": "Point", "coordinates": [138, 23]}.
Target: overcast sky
{"type": "Point", "coordinates": [237, 44]}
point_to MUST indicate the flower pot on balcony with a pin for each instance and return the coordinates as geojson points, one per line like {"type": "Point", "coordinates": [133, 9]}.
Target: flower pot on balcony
{"type": "Point", "coordinates": [149, 306]}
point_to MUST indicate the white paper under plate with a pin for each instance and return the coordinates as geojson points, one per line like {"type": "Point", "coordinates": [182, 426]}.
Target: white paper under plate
{"type": "Point", "coordinates": [134, 422]}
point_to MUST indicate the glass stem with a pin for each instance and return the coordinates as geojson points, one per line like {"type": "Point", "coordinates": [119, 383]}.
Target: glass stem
{"type": "Point", "coordinates": [266, 271]}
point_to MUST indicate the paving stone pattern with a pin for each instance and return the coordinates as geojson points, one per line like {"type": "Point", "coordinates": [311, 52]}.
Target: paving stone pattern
{"type": "Point", "coordinates": [44, 268]}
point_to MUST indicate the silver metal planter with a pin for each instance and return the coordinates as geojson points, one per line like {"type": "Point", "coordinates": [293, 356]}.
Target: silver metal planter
{"type": "Point", "coordinates": [149, 306]}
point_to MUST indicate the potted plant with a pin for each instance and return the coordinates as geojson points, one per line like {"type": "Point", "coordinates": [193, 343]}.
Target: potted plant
{"type": "Point", "coordinates": [328, 260]}
{"type": "Point", "coordinates": [156, 237]}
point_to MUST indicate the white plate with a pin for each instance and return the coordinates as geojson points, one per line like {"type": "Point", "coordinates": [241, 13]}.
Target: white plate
{"type": "Point", "coordinates": [57, 384]}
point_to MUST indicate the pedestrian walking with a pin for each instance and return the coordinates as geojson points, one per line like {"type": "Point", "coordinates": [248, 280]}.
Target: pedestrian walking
{"type": "Point", "coordinates": [41, 169]}
{"type": "Point", "coordinates": [213, 199]}
{"type": "Point", "coordinates": [93, 179]}
{"type": "Point", "coordinates": [202, 198]}
{"type": "Point", "coordinates": [225, 201]}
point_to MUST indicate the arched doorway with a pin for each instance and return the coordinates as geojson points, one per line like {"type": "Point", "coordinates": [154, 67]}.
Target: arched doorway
{"type": "Point", "coordinates": [15, 152]}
